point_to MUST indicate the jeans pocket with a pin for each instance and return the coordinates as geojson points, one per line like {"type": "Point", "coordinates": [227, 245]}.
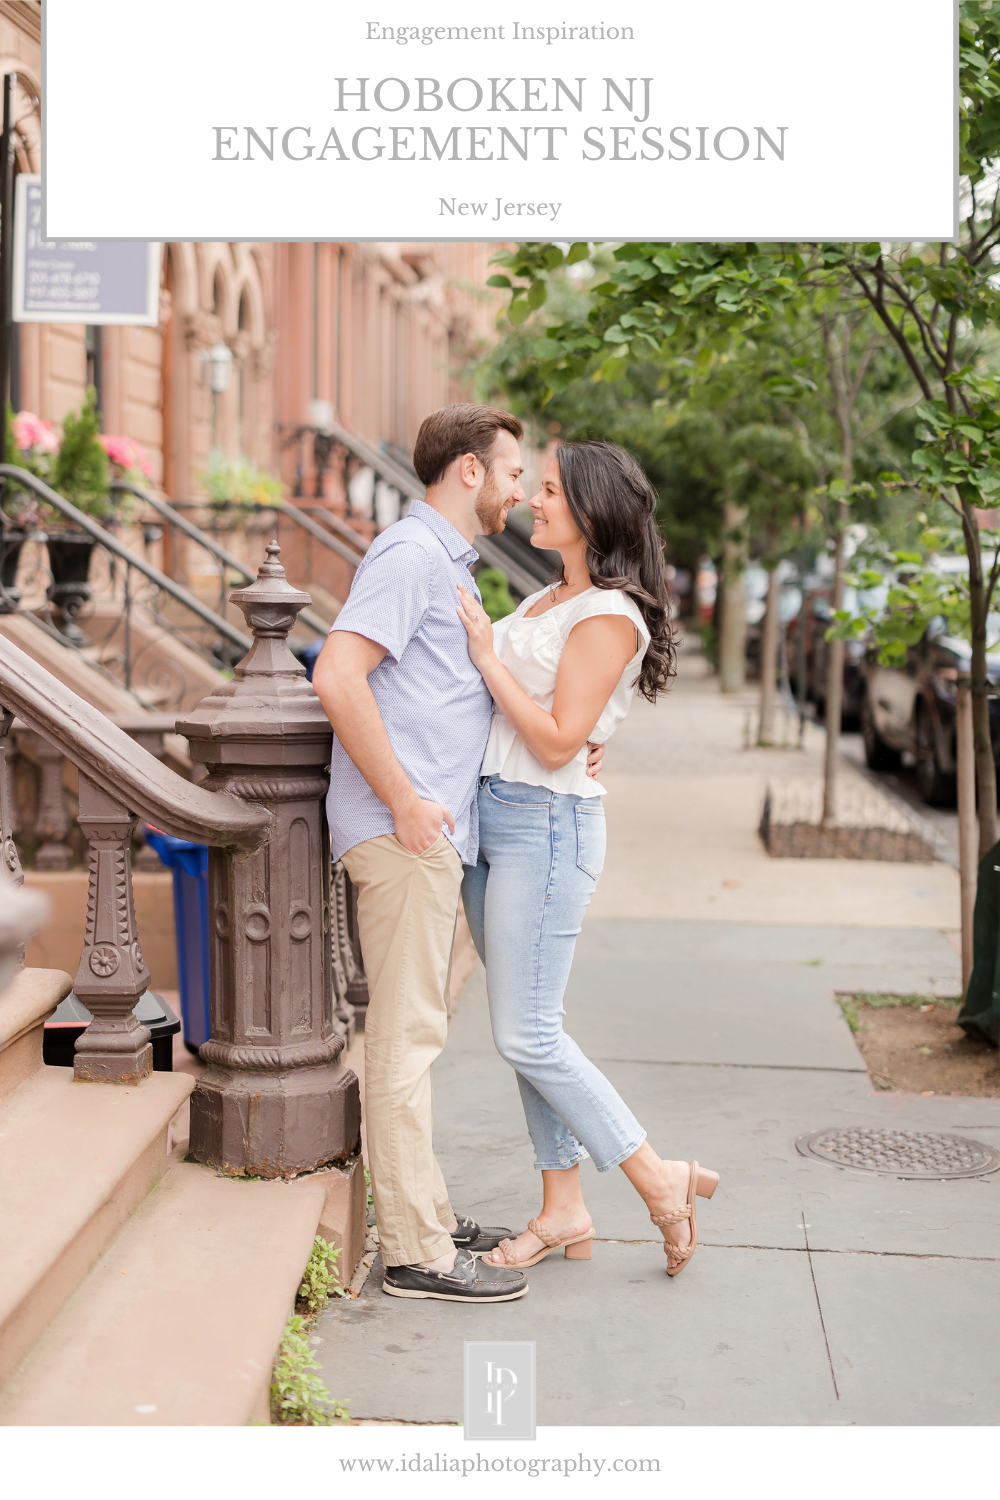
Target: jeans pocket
{"type": "Point", "coordinates": [591, 838]}
{"type": "Point", "coordinates": [517, 793]}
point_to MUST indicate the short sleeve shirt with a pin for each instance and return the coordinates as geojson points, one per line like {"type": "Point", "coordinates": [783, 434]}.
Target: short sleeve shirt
{"type": "Point", "coordinates": [434, 704]}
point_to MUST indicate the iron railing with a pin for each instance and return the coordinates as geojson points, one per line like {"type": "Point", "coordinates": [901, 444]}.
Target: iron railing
{"type": "Point", "coordinates": [227, 560]}
{"type": "Point", "coordinates": [142, 596]}
{"type": "Point", "coordinates": [525, 570]}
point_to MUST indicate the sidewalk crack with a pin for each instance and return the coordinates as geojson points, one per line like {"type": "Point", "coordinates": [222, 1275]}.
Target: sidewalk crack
{"type": "Point", "coordinates": [819, 1305]}
{"type": "Point", "coordinates": [990, 1260]}
{"type": "Point", "coordinates": [672, 1062]}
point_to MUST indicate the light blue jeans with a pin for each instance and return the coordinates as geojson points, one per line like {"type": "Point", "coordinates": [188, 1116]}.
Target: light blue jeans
{"type": "Point", "coordinates": [540, 856]}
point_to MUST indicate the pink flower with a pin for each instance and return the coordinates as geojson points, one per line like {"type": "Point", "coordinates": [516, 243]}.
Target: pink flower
{"type": "Point", "coordinates": [127, 454]}
{"type": "Point", "coordinates": [31, 433]}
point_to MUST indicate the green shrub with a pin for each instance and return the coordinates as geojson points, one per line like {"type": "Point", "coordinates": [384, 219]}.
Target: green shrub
{"type": "Point", "coordinates": [494, 587]}
{"type": "Point", "coordinates": [237, 482]}
{"type": "Point", "coordinates": [80, 472]}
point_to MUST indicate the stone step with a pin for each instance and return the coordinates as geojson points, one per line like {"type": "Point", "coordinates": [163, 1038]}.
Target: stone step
{"type": "Point", "coordinates": [75, 1160]}
{"type": "Point", "coordinates": [25, 1006]}
{"type": "Point", "coordinates": [179, 1322]}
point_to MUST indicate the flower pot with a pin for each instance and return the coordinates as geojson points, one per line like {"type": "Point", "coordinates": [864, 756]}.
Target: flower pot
{"type": "Point", "coordinates": [69, 563]}
{"type": "Point", "coordinates": [12, 539]}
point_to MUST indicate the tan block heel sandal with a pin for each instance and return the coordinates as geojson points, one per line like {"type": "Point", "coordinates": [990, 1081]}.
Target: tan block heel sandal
{"type": "Point", "coordinates": [702, 1183]}
{"type": "Point", "coordinates": [577, 1247]}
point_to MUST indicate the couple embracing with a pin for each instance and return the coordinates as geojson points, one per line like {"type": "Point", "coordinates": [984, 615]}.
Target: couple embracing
{"type": "Point", "coordinates": [461, 771]}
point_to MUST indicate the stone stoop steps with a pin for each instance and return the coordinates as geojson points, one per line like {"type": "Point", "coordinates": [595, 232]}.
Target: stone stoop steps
{"type": "Point", "coordinates": [179, 1322]}
{"type": "Point", "coordinates": [136, 1290]}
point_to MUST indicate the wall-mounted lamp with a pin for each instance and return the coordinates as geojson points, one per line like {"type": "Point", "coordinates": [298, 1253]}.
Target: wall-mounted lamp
{"type": "Point", "coordinates": [219, 360]}
{"type": "Point", "coordinates": [321, 415]}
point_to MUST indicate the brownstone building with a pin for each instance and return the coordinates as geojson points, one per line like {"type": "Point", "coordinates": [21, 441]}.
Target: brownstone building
{"type": "Point", "coordinates": [317, 362]}
{"type": "Point", "coordinates": [374, 335]}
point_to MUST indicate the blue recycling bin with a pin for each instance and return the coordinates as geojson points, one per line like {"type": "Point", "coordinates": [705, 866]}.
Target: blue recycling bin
{"type": "Point", "coordinates": [189, 863]}
{"type": "Point", "coordinates": [309, 655]}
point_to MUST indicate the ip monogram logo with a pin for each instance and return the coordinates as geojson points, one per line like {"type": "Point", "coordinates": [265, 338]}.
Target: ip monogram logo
{"type": "Point", "coordinates": [499, 1383]}
{"type": "Point", "coordinates": [499, 1391]}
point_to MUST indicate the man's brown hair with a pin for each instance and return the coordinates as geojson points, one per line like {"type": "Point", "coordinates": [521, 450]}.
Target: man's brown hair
{"type": "Point", "coordinates": [454, 430]}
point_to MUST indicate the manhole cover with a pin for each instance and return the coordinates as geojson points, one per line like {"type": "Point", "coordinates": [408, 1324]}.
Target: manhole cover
{"type": "Point", "coordinates": [900, 1153]}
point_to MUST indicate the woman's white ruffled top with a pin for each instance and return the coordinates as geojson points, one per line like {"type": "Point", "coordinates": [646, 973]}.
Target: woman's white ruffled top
{"type": "Point", "coordinates": [530, 650]}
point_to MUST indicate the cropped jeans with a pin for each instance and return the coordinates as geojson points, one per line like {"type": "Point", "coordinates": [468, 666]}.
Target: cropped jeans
{"type": "Point", "coordinates": [540, 856]}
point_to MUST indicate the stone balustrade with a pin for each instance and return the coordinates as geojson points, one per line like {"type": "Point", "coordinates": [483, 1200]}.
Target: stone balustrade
{"type": "Point", "coordinates": [276, 1099]}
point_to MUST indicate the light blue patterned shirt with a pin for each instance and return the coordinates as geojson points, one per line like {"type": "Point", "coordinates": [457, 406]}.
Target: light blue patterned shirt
{"type": "Point", "coordinates": [435, 706]}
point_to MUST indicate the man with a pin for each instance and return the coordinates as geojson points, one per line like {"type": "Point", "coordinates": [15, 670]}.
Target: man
{"type": "Point", "coordinates": [411, 716]}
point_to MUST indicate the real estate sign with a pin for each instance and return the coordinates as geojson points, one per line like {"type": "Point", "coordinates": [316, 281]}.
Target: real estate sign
{"type": "Point", "coordinates": [79, 281]}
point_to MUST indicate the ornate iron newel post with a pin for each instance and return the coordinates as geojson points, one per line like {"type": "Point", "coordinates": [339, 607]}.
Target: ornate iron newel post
{"type": "Point", "coordinates": [275, 1100]}
{"type": "Point", "coordinates": [115, 1048]}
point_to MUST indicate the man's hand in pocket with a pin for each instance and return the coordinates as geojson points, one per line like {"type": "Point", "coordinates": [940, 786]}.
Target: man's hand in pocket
{"type": "Point", "coordinates": [418, 825]}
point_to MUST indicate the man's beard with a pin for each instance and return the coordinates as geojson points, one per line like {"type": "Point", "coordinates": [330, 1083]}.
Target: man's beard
{"type": "Point", "coordinates": [490, 507]}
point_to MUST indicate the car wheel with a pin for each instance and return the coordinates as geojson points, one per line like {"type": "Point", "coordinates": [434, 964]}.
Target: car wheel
{"type": "Point", "coordinates": [935, 786]}
{"type": "Point", "coordinates": [878, 755]}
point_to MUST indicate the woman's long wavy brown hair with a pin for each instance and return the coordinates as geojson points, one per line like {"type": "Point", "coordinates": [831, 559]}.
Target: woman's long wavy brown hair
{"type": "Point", "coordinates": [614, 505]}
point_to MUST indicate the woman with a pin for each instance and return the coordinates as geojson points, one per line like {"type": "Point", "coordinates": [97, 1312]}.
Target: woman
{"type": "Point", "coordinates": [566, 661]}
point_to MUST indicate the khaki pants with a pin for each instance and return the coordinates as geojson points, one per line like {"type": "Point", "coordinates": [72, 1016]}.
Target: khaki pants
{"type": "Point", "coordinates": [407, 909]}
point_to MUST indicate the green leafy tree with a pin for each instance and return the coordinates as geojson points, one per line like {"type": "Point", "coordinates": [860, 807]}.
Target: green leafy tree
{"type": "Point", "coordinates": [772, 472]}
{"type": "Point", "coordinates": [937, 306]}
{"type": "Point", "coordinates": [790, 381]}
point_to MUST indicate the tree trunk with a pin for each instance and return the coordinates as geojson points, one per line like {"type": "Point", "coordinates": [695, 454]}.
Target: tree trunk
{"type": "Point", "coordinates": [844, 388]}
{"type": "Point", "coordinates": [769, 661]}
{"type": "Point", "coordinates": [968, 861]}
{"type": "Point", "coordinates": [733, 615]}
{"type": "Point", "coordinates": [986, 775]}
{"type": "Point", "coordinates": [834, 680]}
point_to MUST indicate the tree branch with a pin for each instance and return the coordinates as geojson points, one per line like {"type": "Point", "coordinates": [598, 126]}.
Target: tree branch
{"type": "Point", "coordinates": [928, 337]}
{"type": "Point", "coordinates": [878, 304]}
{"type": "Point", "coordinates": [994, 574]}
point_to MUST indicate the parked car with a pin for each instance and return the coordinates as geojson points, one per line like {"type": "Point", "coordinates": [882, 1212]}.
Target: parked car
{"type": "Point", "coordinates": [910, 710]}
{"type": "Point", "coordinates": [812, 621]}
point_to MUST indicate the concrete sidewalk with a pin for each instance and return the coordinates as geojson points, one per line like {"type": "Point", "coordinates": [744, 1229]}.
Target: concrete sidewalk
{"type": "Point", "coordinates": [817, 1295]}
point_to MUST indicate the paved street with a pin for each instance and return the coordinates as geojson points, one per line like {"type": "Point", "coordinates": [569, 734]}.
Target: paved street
{"type": "Point", "coordinates": [704, 985]}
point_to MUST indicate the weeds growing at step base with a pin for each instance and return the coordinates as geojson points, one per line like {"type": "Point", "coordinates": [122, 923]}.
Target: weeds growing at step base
{"type": "Point", "coordinates": [298, 1396]}
{"type": "Point", "coordinates": [320, 1279]}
